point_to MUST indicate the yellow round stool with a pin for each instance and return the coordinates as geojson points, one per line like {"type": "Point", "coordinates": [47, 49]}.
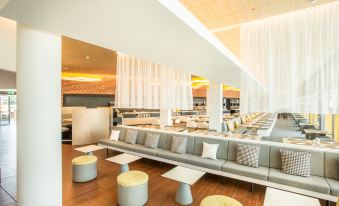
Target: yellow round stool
{"type": "Point", "coordinates": [219, 200]}
{"type": "Point", "coordinates": [132, 188]}
{"type": "Point", "coordinates": [84, 168]}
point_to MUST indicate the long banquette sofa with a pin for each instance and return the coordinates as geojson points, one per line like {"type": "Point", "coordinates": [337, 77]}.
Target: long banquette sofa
{"type": "Point", "coordinates": [323, 182]}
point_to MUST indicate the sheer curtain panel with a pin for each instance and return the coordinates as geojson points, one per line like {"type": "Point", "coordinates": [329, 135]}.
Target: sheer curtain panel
{"type": "Point", "coordinates": [143, 84]}
{"type": "Point", "coordinates": [296, 57]}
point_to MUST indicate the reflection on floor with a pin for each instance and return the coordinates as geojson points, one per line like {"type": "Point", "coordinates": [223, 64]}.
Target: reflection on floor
{"type": "Point", "coordinates": [8, 165]}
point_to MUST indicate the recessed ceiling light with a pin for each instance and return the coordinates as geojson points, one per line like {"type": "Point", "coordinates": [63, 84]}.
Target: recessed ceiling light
{"type": "Point", "coordinates": [87, 57]}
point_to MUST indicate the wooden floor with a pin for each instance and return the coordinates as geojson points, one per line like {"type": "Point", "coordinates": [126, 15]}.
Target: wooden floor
{"type": "Point", "coordinates": [102, 191]}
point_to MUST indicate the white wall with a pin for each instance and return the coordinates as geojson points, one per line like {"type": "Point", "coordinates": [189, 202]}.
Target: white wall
{"type": "Point", "coordinates": [7, 79]}
{"type": "Point", "coordinates": [7, 44]}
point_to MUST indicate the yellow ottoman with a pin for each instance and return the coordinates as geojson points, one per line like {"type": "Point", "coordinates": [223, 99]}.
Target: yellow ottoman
{"type": "Point", "coordinates": [219, 200]}
{"type": "Point", "coordinates": [84, 168]}
{"type": "Point", "coordinates": [132, 188]}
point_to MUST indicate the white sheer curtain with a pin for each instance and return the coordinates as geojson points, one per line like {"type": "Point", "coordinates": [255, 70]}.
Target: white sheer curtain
{"type": "Point", "coordinates": [143, 84]}
{"type": "Point", "coordinates": [296, 57]}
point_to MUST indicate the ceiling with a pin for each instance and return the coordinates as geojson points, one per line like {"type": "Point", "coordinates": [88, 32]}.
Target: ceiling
{"type": "Point", "coordinates": [155, 30]}
{"type": "Point", "coordinates": [223, 17]}
{"type": "Point", "coordinates": [81, 57]}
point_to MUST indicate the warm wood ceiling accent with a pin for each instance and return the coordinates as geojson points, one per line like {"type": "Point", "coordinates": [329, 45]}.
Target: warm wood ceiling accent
{"type": "Point", "coordinates": [101, 61]}
{"type": "Point", "coordinates": [215, 14]}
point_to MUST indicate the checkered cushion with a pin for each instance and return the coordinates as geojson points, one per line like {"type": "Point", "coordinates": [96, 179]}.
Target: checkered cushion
{"type": "Point", "coordinates": [296, 163]}
{"type": "Point", "coordinates": [248, 155]}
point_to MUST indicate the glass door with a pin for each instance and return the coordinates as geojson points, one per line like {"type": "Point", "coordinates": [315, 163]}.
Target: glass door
{"type": "Point", "coordinates": [5, 117]}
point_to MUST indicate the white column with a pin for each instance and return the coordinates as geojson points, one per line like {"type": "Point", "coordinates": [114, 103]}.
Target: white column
{"type": "Point", "coordinates": [39, 170]}
{"type": "Point", "coordinates": [214, 106]}
{"type": "Point", "coordinates": [165, 118]}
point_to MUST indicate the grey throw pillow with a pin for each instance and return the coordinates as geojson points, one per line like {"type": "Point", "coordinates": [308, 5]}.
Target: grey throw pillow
{"type": "Point", "coordinates": [131, 136]}
{"type": "Point", "coordinates": [152, 140]}
{"type": "Point", "coordinates": [296, 163]}
{"type": "Point", "coordinates": [248, 155]}
{"type": "Point", "coordinates": [179, 144]}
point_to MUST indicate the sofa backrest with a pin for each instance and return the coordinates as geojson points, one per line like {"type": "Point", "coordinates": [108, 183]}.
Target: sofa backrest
{"type": "Point", "coordinates": [122, 133]}
{"type": "Point", "coordinates": [317, 159]}
{"type": "Point", "coordinates": [222, 149]}
{"type": "Point", "coordinates": [190, 142]}
{"type": "Point", "coordinates": [264, 158]}
{"type": "Point", "coordinates": [162, 139]}
{"type": "Point", "coordinates": [332, 165]}
{"type": "Point", "coordinates": [141, 137]}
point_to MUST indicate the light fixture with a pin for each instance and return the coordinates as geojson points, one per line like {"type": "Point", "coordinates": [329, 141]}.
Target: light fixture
{"type": "Point", "coordinates": [87, 57]}
{"type": "Point", "coordinates": [81, 77]}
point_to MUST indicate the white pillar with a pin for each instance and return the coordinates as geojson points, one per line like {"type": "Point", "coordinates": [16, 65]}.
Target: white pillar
{"type": "Point", "coordinates": [39, 170]}
{"type": "Point", "coordinates": [165, 118]}
{"type": "Point", "coordinates": [214, 106]}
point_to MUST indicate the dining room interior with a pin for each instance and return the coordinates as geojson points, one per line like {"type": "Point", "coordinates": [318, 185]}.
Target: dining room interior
{"type": "Point", "coordinates": [185, 102]}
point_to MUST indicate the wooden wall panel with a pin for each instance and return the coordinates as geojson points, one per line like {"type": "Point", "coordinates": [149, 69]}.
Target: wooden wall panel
{"type": "Point", "coordinates": [90, 125]}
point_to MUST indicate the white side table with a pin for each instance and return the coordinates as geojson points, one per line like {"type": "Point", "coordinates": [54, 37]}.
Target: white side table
{"type": "Point", "coordinates": [123, 159]}
{"type": "Point", "coordinates": [186, 177]}
{"type": "Point", "coordinates": [275, 197]}
{"type": "Point", "coordinates": [89, 149]}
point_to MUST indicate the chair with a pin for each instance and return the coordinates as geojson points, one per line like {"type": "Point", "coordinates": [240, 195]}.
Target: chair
{"type": "Point", "coordinates": [84, 168]}
{"type": "Point", "coordinates": [132, 188]}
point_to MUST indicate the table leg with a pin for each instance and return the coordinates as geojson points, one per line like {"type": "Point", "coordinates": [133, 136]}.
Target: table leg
{"type": "Point", "coordinates": [124, 168]}
{"type": "Point", "coordinates": [184, 195]}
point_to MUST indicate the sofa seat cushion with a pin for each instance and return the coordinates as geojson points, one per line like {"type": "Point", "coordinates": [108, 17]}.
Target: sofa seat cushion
{"type": "Point", "coordinates": [234, 168]}
{"type": "Point", "coordinates": [112, 143]}
{"type": "Point", "coordinates": [203, 162]}
{"type": "Point", "coordinates": [334, 186]}
{"type": "Point", "coordinates": [118, 144]}
{"type": "Point", "coordinates": [312, 183]}
{"type": "Point", "coordinates": [142, 149]}
{"type": "Point", "coordinates": [167, 154]}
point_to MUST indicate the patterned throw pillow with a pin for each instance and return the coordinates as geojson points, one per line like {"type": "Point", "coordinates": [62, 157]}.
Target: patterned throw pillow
{"type": "Point", "coordinates": [296, 163]}
{"type": "Point", "coordinates": [248, 155]}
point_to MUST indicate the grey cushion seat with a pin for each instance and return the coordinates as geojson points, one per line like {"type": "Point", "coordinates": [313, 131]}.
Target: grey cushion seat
{"type": "Point", "coordinates": [334, 186]}
{"type": "Point", "coordinates": [313, 183]}
{"type": "Point", "coordinates": [109, 142]}
{"type": "Point", "coordinates": [167, 154]}
{"type": "Point", "coordinates": [258, 173]}
{"type": "Point", "coordinates": [141, 149]}
{"type": "Point", "coordinates": [204, 162]}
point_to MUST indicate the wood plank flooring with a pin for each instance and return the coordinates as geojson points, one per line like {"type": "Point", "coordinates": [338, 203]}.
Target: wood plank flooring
{"type": "Point", "coordinates": [102, 191]}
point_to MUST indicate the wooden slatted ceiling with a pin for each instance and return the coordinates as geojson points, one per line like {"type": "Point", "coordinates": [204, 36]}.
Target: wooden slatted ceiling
{"type": "Point", "coordinates": [99, 60]}
{"type": "Point", "coordinates": [215, 14]}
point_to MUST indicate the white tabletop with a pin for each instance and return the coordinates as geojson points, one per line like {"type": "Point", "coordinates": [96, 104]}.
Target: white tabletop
{"type": "Point", "coordinates": [123, 158]}
{"type": "Point", "coordinates": [89, 148]}
{"type": "Point", "coordinates": [184, 175]}
{"type": "Point", "coordinates": [275, 197]}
